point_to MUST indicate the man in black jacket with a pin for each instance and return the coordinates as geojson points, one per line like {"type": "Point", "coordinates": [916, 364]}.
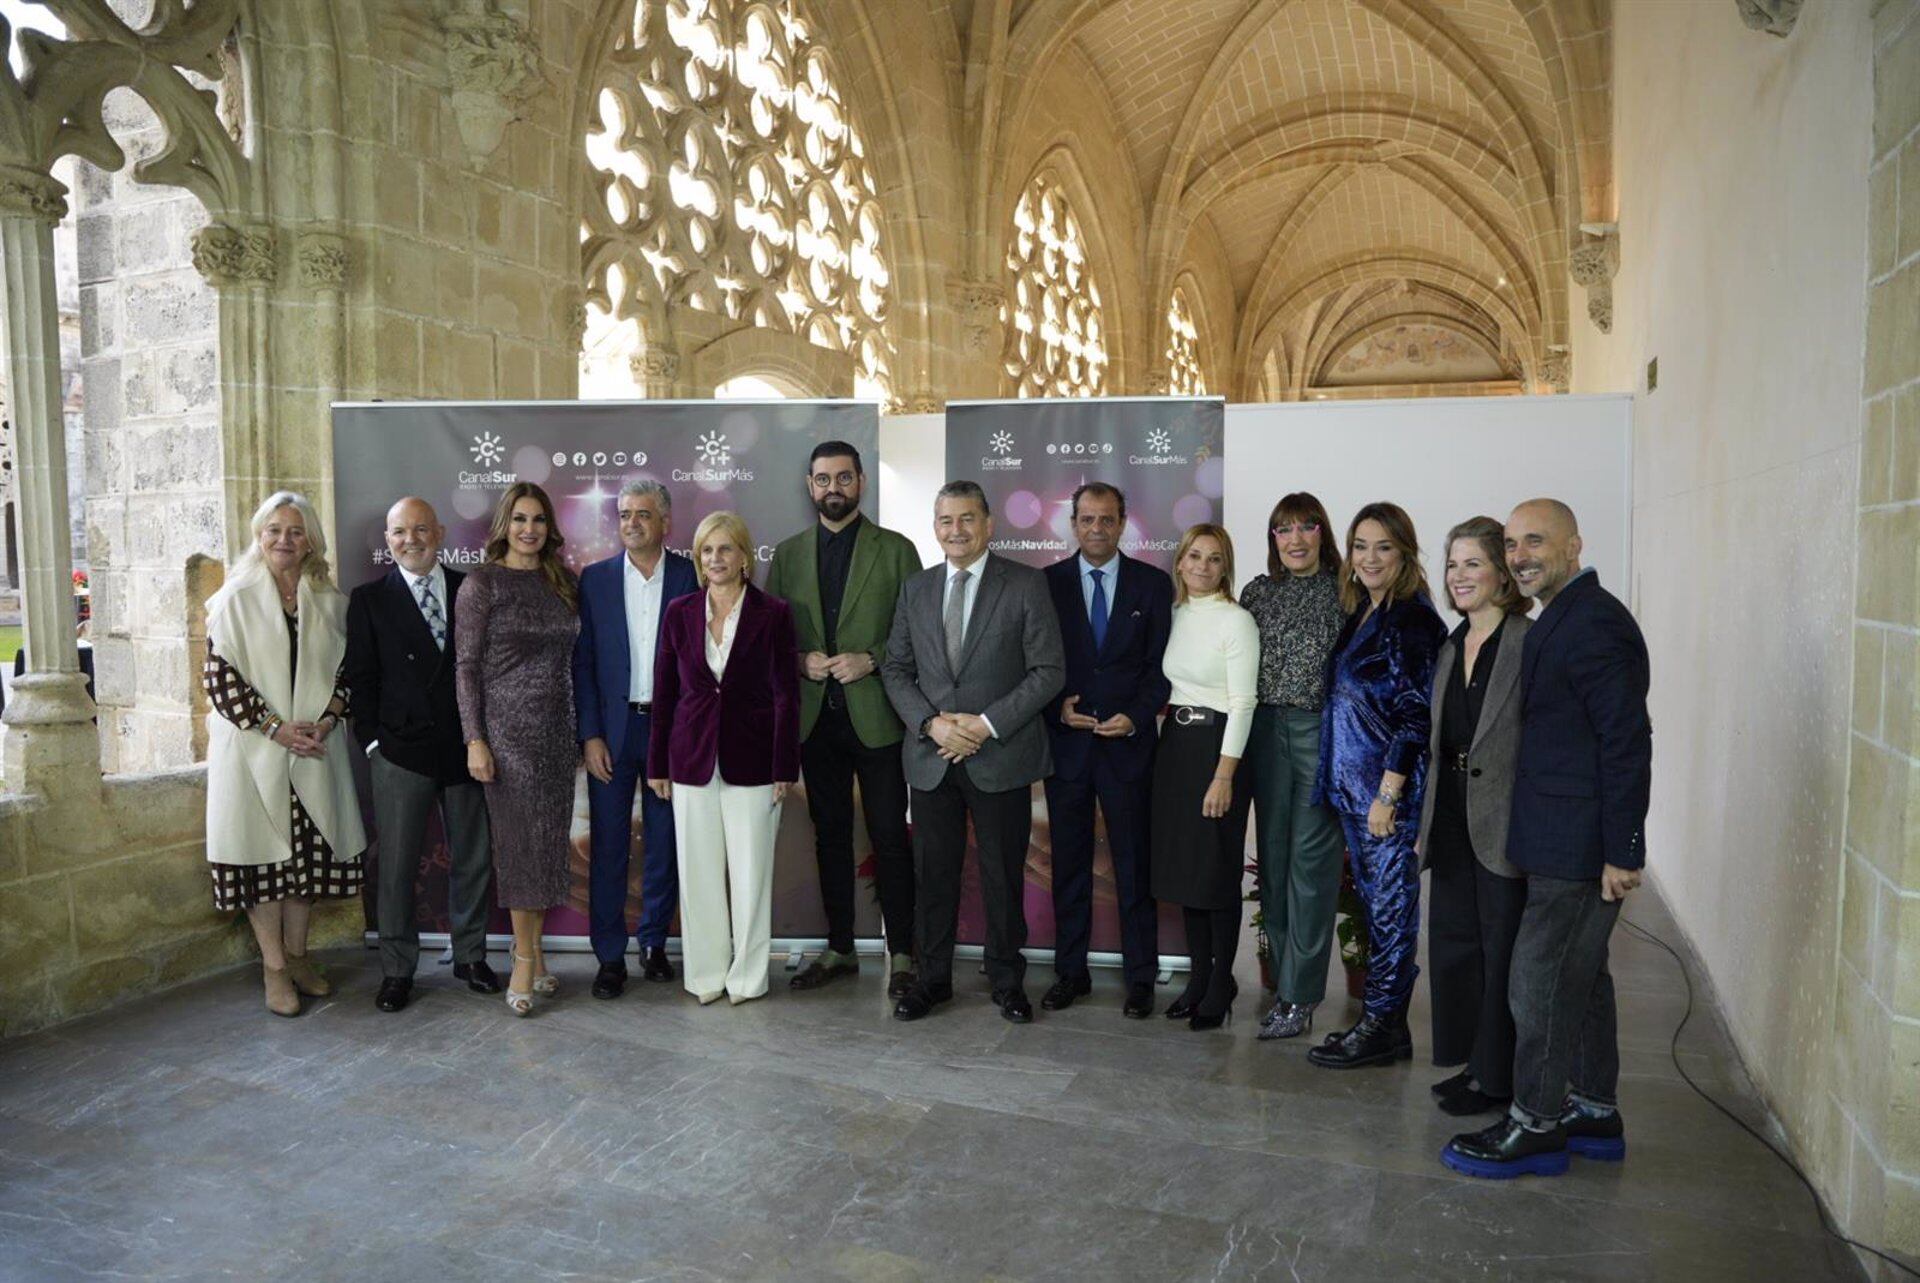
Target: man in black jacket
{"type": "Point", "coordinates": [400, 670]}
{"type": "Point", "coordinates": [1579, 834]}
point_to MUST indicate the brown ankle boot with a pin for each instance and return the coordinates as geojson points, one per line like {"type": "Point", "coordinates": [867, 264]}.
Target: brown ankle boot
{"type": "Point", "coordinates": [282, 998]}
{"type": "Point", "coordinates": [306, 977]}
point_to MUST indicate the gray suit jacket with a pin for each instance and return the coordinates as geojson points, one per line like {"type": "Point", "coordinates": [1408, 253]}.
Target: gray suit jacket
{"type": "Point", "coordinates": [1491, 759]}
{"type": "Point", "coordinates": [1011, 664]}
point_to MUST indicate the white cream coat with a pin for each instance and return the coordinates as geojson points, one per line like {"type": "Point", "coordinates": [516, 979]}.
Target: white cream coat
{"type": "Point", "coordinates": [249, 809]}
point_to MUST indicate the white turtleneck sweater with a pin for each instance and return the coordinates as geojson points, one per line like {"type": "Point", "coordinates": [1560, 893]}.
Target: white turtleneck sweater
{"type": "Point", "coordinates": [1213, 661]}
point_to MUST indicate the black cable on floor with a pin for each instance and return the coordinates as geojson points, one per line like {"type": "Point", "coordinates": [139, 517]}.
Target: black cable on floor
{"type": "Point", "coordinates": [1673, 1050]}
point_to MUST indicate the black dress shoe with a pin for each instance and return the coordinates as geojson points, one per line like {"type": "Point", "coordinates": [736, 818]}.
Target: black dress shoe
{"type": "Point", "coordinates": [1208, 1016]}
{"type": "Point", "coordinates": [1471, 1100]}
{"type": "Point", "coordinates": [1506, 1150]}
{"type": "Point", "coordinates": [1448, 1086]}
{"type": "Point", "coordinates": [1013, 1005]}
{"type": "Point", "coordinates": [1183, 1007]}
{"type": "Point", "coordinates": [899, 983]}
{"type": "Point", "coordinates": [1376, 1040]}
{"type": "Point", "coordinates": [817, 973]}
{"type": "Point", "coordinates": [656, 966]}
{"type": "Point", "coordinates": [1604, 1139]}
{"type": "Point", "coordinates": [1060, 995]}
{"type": "Point", "coordinates": [611, 980]}
{"type": "Point", "coordinates": [478, 975]}
{"type": "Point", "coordinates": [394, 992]}
{"type": "Point", "coordinates": [1139, 1003]}
{"type": "Point", "coordinates": [920, 1001]}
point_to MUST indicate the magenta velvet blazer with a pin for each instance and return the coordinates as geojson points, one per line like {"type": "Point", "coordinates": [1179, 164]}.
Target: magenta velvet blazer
{"type": "Point", "coordinates": [749, 721]}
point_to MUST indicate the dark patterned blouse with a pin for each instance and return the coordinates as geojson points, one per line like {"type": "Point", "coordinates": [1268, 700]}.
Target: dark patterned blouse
{"type": "Point", "coordinates": [1299, 618]}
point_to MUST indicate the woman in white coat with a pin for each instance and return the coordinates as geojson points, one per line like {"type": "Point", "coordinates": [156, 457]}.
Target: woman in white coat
{"type": "Point", "coordinates": [283, 821]}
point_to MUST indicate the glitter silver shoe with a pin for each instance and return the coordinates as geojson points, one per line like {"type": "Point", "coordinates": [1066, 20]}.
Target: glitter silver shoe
{"type": "Point", "coordinates": [1287, 1020]}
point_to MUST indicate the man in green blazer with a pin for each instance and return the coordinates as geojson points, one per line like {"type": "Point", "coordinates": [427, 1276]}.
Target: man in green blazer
{"type": "Point", "coordinates": [842, 576]}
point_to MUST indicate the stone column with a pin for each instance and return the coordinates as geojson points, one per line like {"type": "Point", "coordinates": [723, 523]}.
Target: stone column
{"type": "Point", "coordinates": [48, 742]}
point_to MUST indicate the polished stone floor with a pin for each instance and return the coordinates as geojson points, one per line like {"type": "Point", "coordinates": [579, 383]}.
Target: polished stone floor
{"type": "Point", "coordinates": [194, 1136]}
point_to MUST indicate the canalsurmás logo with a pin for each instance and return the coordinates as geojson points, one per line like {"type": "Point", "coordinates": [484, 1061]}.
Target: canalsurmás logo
{"type": "Point", "coordinates": [1159, 452]}
{"type": "Point", "coordinates": [1003, 458]}
{"type": "Point", "coordinates": [715, 463]}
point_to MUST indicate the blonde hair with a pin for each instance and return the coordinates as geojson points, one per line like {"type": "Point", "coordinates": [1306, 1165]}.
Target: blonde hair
{"type": "Point", "coordinates": [1205, 530]}
{"type": "Point", "coordinates": [735, 529]}
{"type": "Point", "coordinates": [251, 565]}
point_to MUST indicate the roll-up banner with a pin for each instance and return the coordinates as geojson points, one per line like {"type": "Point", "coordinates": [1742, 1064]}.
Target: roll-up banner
{"type": "Point", "coordinates": [741, 456]}
{"type": "Point", "coordinates": [1167, 455]}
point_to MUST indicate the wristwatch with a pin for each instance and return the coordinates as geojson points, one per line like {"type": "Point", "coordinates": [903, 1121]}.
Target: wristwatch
{"type": "Point", "coordinates": [926, 722]}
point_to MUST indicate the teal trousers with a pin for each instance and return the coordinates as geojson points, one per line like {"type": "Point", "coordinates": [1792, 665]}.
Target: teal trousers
{"type": "Point", "coordinates": [1299, 849]}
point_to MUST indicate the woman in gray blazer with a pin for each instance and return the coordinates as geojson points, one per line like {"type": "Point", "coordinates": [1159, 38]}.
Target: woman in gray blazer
{"type": "Point", "coordinates": [1476, 896]}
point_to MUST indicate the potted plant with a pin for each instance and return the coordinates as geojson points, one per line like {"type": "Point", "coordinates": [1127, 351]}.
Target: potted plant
{"type": "Point", "coordinates": [1263, 947]}
{"type": "Point", "coordinates": [1350, 928]}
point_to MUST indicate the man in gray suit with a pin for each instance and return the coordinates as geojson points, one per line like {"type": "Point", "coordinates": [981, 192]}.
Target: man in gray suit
{"type": "Point", "coordinates": [973, 658]}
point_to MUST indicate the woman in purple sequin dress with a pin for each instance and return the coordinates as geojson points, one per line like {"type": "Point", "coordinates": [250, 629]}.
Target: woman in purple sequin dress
{"type": "Point", "coordinates": [513, 644]}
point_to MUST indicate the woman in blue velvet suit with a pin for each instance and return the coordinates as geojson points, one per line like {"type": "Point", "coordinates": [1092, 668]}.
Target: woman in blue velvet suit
{"type": "Point", "coordinates": [1373, 766]}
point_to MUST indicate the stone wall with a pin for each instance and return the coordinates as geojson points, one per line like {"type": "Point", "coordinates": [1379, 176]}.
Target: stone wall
{"type": "Point", "coordinates": [153, 480]}
{"type": "Point", "coordinates": [1876, 1078]}
{"type": "Point", "coordinates": [105, 894]}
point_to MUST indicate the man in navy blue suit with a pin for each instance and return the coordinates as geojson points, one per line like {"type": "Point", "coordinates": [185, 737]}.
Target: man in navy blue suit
{"type": "Point", "coordinates": [1115, 613]}
{"type": "Point", "coordinates": [621, 602]}
{"type": "Point", "coordinates": [1584, 772]}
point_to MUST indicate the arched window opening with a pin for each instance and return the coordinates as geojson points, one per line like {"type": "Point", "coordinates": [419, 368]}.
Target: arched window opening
{"type": "Point", "coordinates": [1055, 338]}
{"type": "Point", "coordinates": [728, 176]}
{"type": "Point", "coordinates": [1184, 375]}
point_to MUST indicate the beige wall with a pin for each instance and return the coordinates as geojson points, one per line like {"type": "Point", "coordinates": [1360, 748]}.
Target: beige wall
{"type": "Point", "coordinates": [1742, 163]}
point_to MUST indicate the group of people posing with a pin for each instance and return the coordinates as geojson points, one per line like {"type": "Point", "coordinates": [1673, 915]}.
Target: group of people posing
{"type": "Point", "coordinates": [1511, 757]}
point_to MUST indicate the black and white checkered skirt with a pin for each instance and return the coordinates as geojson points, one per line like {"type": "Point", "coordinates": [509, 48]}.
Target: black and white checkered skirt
{"type": "Point", "coordinates": [310, 873]}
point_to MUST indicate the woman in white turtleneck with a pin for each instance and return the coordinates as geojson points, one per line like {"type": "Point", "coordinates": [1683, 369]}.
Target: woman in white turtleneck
{"type": "Point", "coordinates": [1199, 813]}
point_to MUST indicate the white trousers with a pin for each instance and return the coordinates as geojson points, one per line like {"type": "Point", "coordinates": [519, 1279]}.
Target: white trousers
{"type": "Point", "coordinates": [723, 836]}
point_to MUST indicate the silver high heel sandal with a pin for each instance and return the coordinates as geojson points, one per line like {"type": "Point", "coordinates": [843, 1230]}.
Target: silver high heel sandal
{"type": "Point", "coordinates": [520, 1002]}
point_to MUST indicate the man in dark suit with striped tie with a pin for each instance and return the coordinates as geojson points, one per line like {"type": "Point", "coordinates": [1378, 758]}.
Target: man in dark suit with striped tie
{"type": "Point", "coordinates": [400, 668]}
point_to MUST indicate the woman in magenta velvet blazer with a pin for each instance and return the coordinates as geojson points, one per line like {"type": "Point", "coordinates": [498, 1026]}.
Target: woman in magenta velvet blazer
{"type": "Point", "coordinates": [726, 741]}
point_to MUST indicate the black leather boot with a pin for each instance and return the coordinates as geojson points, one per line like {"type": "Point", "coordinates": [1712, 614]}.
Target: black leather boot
{"type": "Point", "coordinates": [1376, 1040]}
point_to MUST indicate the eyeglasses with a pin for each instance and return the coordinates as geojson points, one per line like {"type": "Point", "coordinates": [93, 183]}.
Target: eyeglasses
{"type": "Point", "coordinates": [844, 480]}
{"type": "Point", "coordinates": [1301, 527]}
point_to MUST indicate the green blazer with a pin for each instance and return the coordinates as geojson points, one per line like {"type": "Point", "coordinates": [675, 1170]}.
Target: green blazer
{"type": "Point", "coordinates": [882, 560]}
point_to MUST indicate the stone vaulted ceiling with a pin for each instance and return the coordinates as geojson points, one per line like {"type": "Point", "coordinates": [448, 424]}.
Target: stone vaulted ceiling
{"type": "Point", "coordinates": [1354, 166]}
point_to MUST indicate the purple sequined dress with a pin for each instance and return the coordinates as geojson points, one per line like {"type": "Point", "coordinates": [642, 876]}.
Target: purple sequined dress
{"type": "Point", "coordinates": [513, 647]}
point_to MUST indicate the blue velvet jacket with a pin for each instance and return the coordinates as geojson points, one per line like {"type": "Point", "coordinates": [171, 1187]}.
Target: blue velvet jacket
{"type": "Point", "coordinates": [1378, 715]}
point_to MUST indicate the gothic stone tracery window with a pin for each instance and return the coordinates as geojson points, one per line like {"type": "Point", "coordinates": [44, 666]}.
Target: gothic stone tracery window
{"type": "Point", "coordinates": [730, 178]}
{"type": "Point", "coordinates": [1055, 340]}
{"type": "Point", "coordinates": [1184, 376]}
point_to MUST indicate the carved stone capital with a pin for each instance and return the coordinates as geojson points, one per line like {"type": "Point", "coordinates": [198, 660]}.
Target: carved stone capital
{"type": "Point", "coordinates": [978, 304]}
{"type": "Point", "coordinates": [1592, 264]}
{"type": "Point", "coordinates": [320, 260]}
{"type": "Point", "coordinates": [227, 255]}
{"type": "Point", "coordinates": [1556, 372]}
{"type": "Point", "coordinates": [1775, 17]}
{"type": "Point", "coordinates": [493, 71]}
{"type": "Point", "coordinates": [656, 365]}
{"type": "Point", "coordinates": [921, 402]}
{"type": "Point", "coordinates": [29, 193]}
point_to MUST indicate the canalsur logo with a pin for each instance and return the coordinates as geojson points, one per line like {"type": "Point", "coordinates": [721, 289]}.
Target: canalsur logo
{"type": "Point", "coordinates": [487, 452]}
{"type": "Point", "coordinates": [1159, 442]}
{"type": "Point", "coordinates": [715, 466]}
{"type": "Point", "coordinates": [486, 449]}
{"type": "Point", "coordinates": [1003, 458]}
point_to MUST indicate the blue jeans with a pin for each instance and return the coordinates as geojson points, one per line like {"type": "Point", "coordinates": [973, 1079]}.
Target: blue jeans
{"type": "Point", "coordinates": [1562, 994]}
{"type": "Point", "coordinates": [610, 811]}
